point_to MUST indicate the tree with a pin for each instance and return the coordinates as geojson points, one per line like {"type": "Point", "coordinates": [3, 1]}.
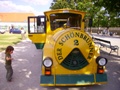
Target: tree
{"type": "Point", "coordinates": [102, 12]}
{"type": "Point", "coordinates": [112, 6]}
{"type": "Point", "coordinates": [60, 4]}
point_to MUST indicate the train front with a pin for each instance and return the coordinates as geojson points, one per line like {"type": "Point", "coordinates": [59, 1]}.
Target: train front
{"type": "Point", "coordinates": [70, 57]}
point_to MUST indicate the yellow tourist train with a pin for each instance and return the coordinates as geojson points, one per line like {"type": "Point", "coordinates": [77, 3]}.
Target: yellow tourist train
{"type": "Point", "coordinates": [69, 54]}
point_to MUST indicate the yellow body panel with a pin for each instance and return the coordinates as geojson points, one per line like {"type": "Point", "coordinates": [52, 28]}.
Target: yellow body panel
{"type": "Point", "coordinates": [49, 51]}
{"type": "Point", "coordinates": [37, 38]}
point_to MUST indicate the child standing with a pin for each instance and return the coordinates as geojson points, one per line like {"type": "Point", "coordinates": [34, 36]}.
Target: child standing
{"type": "Point", "coordinates": [8, 62]}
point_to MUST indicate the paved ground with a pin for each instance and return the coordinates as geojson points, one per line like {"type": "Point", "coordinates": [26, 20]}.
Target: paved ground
{"type": "Point", "coordinates": [26, 68]}
{"type": "Point", "coordinates": [26, 65]}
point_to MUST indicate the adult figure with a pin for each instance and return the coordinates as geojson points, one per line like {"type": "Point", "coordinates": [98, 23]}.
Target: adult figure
{"type": "Point", "coordinates": [11, 30]}
{"type": "Point", "coordinates": [23, 33]}
{"type": "Point", "coordinates": [107, 31]}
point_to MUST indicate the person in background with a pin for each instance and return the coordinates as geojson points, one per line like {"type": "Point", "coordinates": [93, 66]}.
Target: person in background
{"type": "Point", "coordinates": [8, 62]}
{"type": "Point", "coordinates": [11, 29]}
{"type": "Point", "coordinates": [23, 33]}
{"type": "Point", "coordinates": [104, 32]}
{"type": "Point", "coordinates": [107, 31]}
{"type": "Point", "coordinates": [98, 31]}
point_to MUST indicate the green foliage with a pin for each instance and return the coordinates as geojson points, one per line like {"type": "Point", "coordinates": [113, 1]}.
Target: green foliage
{"type": "Point", "coordinates": [110, 5]}
{"type": "Point", "coordinates": [103, 12]}
{"type": "Point", "coordinates": [8, 39]}
{"type": "Point", "coordinates": [59, 5]}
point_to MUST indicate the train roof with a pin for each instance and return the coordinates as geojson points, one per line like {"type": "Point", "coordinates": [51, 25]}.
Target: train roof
{"type": "Point", "coordinates": [64, 11]}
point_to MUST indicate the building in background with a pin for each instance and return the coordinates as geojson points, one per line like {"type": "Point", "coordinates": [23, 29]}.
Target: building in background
{"type": "Point", "coordinates": [17, 20]}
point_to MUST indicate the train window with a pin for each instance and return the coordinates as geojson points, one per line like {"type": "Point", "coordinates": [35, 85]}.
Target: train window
{"type": "Point", "coordinates": [36, 24]}
{"type": "Point", "coordinates": [58, 20]}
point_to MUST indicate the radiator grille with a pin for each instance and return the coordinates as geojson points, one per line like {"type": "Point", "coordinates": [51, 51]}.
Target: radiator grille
{"type": "Point", "coordinates": [75, 60]}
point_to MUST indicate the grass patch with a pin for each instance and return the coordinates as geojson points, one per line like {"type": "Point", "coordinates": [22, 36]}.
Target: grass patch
{"type": "Point", "coordinates": [9, 39]}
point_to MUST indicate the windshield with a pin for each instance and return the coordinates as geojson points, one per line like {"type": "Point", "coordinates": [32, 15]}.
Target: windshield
{"type": "Point", "coordinates": [57, 20]}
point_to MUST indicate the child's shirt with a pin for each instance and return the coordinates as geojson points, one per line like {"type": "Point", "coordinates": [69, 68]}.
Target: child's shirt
{"type": "Point", "coordinates": [8, 62]}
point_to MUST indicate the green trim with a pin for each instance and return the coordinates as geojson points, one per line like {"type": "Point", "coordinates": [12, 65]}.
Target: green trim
{"type": "Point", "coordinates": [75, 61]}
{"type": "Point", "coordinates": [47, 79]}
{"type": "Point", "coordinates": [101, 77]}
{"type": "Point", "coordinates": [39, 45]}
{"type": "Point", "coordinates": [73, 79]}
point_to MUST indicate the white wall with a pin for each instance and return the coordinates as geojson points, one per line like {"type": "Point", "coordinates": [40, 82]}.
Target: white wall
{"type": "Point", "coordinates": [13, 23]}
{"type": "Point", "coordinates": [8, 25]}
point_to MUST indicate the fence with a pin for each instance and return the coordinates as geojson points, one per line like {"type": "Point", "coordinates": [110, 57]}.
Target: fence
{"type": "Point", "coordinates": [111, 29]}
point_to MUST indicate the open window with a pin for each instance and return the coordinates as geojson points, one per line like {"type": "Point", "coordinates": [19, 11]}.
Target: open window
{"type": "Point", "coordinates": [36, 24]}
{"type": "Point", "coordinates": [58, 20]}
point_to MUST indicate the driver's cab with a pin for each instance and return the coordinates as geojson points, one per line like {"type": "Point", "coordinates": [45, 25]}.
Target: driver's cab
{"type": "Point", "coordinates": [61, 19]}
{"type": "Point", "coordinates": [41, 26]}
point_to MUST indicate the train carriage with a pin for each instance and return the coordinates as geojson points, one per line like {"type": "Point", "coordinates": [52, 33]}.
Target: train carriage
{"type": "Point", "coordinates": [70, 56]}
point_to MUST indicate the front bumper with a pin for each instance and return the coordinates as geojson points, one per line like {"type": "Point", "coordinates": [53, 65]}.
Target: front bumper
{"type": "Point", "coordinates": [73, 80]}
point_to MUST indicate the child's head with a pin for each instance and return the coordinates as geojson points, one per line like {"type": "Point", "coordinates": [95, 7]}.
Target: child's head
{"type": "Point", "coordinates": [9, 50]}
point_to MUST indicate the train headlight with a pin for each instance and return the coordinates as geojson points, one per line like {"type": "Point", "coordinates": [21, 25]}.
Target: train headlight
{"type": "Point", "coordinates": [47, 62]}
{"type": "Point", "coordinates": [101, 61]}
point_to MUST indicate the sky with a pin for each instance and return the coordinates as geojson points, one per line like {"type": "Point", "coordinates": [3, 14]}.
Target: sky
{"type": "Point", "coordinates": [35, 6]}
